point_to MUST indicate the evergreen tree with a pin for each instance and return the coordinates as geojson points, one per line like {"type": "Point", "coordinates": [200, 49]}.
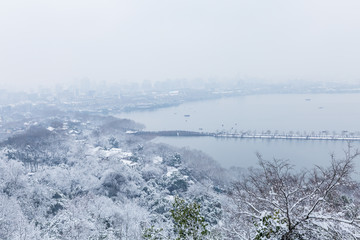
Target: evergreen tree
{"type": "Point", "coordinates": [188, 222]}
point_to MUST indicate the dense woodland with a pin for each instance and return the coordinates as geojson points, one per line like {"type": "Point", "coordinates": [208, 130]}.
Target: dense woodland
{"type": "Point", "coordinates": [76, 175]}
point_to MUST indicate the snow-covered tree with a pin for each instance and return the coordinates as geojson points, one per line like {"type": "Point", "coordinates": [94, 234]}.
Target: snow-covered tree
{"type": "Point", "coordinates": [13, 223]}
{"type": "Point", "coordinates": [275, 202]}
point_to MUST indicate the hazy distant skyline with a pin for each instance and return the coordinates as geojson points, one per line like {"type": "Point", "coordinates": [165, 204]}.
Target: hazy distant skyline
{"type": "Point", "coordinates": [48, 41]}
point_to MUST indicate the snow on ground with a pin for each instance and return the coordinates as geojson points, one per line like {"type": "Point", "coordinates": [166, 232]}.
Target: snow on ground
{"type": "Point", "coordinates": [128, 162]}
{"type": "Point", "coordinates": [170, 198]}
{"type": "Point", "coordinates": [170, 171]}
{"type": "Point", "coordinates": [157, 159]}
{"type": "Point", "coordinates": [118, 152]}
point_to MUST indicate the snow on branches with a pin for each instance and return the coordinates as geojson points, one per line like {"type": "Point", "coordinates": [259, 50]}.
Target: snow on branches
{"type": "Point", "coordinates": [278, 202]}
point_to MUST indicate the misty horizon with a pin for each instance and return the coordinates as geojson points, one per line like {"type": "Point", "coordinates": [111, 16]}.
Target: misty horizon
{"type": "Point", "coordinates": [179, 119]}
{"type": "Point", "coordinates": [48, 43]}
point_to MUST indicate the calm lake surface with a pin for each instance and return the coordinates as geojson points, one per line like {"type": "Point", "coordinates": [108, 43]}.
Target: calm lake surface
{"type": "Point", "coordinates": [298, 113]}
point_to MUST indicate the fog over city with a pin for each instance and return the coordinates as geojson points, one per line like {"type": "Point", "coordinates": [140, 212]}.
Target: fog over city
{"type": "Point", "coordinates": [179, 119]}
{"type": "Point", "coordinates": [44, 42]}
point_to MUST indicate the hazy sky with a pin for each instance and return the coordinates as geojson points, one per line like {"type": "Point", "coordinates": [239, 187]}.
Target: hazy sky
{"type": "Point", "coordinates": [64, 40]}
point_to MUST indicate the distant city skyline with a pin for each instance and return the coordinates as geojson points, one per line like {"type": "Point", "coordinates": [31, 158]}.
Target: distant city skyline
{"type": "Point", "coordinates": [49, 42]}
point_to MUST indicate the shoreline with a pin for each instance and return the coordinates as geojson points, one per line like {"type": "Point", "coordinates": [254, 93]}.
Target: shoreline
{"type": "Point", "coordinates": [181, 133]}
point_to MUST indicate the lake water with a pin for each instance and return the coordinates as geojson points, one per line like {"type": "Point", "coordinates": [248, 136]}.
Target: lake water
{"type": "Point", "coordinates": [257, 113]}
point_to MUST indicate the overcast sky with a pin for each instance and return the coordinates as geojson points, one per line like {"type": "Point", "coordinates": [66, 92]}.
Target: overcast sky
{"type": "Point", "coordinates": [112, 40]}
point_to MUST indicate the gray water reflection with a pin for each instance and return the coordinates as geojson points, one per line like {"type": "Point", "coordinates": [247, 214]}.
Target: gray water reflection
{"type": "Point", "coordinates": [242, 152]}
{"type": "Point", "coordinates": [282, 113]}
